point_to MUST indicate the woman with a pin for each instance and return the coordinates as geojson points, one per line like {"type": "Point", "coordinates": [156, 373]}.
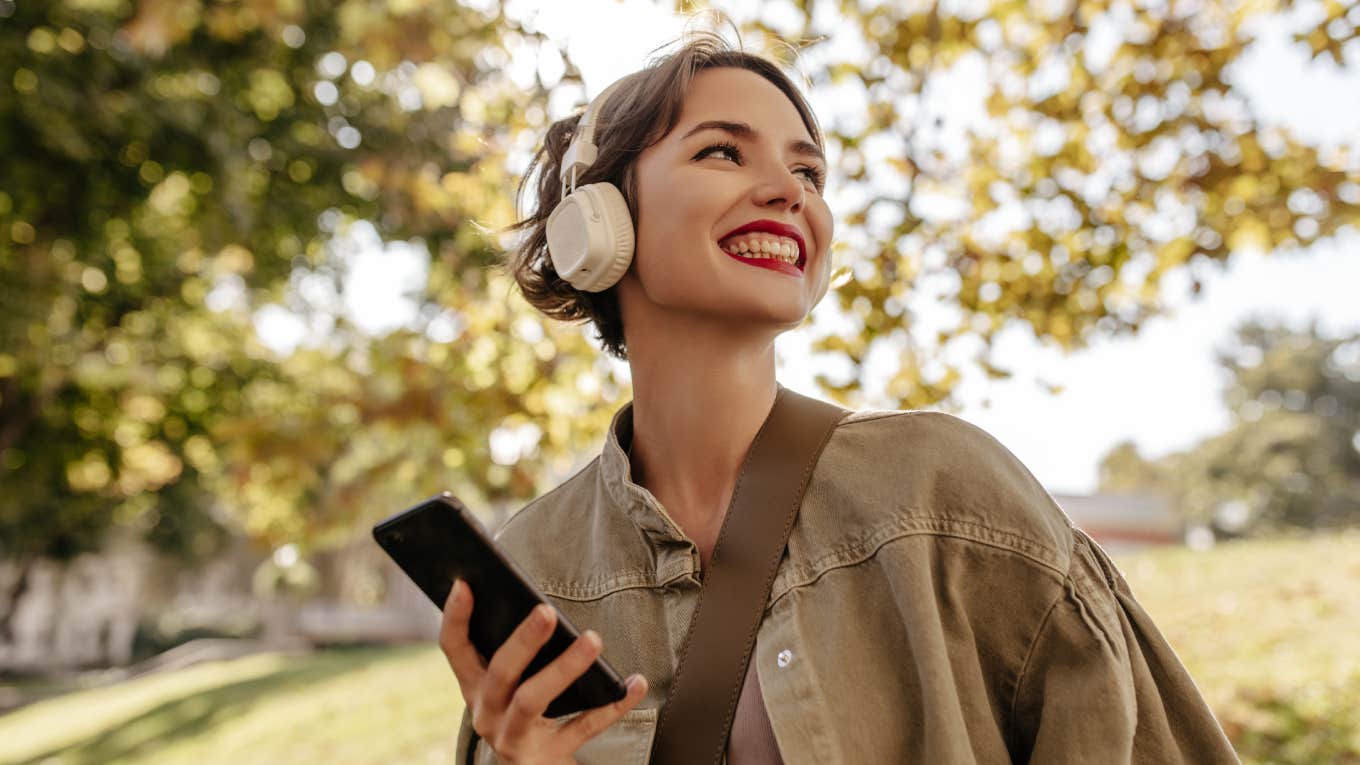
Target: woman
{"type": "Point", "coordinates": [935, 604]}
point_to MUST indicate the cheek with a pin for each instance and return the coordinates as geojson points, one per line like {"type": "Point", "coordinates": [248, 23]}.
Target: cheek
{"type": "Point", "coordinates": [823, 228]}
{"type": "Point", "coordinates": [823, 225]}
{"type": "Point", "coordinates": [673, 223]}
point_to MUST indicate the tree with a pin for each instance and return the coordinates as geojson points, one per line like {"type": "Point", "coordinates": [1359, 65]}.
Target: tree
{"type": "Point", "coordinates": [1124, 469]}
{"type": "Point", "coordinates": [1292, 458]}
{"type": "Point", "coordinates": [172, 166]}
{"type": "Point", "coordinates": [1120, 168]}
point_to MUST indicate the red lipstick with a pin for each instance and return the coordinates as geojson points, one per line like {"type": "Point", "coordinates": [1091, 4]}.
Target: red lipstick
{"type": "Point", "coordinates": [778, 229]}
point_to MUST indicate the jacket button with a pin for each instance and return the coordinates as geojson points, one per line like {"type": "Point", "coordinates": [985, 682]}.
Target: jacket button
{"type": "Point", "coordinates": [784, 658]}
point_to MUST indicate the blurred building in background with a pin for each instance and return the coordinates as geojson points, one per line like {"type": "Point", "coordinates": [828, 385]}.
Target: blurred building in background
{"type": "Point", "coordinates": [1123, 523]}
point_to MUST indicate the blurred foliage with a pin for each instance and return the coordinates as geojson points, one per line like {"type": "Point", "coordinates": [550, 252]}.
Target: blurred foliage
{"type": "Point", "coordinates": [1099, 172]}
{"type": "Point", "coordinates": [1292, 456]}
{"type": "Point", "coordinates": [172, 166]}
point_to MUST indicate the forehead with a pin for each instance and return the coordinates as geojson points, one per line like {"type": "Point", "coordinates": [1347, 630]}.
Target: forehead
{"type": "Point", "coordinates": [740, 95]}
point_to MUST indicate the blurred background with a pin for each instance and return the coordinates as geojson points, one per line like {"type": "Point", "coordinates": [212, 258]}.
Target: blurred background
{"type": "Point", "coordinates": [247, 310]}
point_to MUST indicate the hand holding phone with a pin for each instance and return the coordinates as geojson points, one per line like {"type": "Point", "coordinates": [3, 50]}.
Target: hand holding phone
{"type": "Point", "coordinates": [540, 666]}
{"type": "Point", "coordinates": [509, 718]}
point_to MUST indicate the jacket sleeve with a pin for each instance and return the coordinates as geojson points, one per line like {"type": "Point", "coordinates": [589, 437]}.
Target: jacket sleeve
{"type": "Point", "coordinates": [1101, 683]}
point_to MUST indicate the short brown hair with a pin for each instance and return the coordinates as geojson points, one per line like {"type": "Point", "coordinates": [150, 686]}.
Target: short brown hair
{"type": "Point", "coordinates": [651, 99]}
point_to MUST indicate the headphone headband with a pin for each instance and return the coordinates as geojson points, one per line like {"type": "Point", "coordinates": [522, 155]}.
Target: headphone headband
{"type": "Point", "coordinates": [590, 231]}
{"type": "Point", "coordinates": [582, 152]}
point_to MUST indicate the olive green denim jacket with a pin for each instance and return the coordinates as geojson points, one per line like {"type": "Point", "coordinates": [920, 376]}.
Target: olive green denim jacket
{"type": "Point", "coordinates": [935, 606]}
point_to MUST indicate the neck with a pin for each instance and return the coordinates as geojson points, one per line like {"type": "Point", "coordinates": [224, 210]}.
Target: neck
{"type": "Point", "coordinates": [695, 413]}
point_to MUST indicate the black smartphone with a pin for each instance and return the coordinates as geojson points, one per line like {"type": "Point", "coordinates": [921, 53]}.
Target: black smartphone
{"type": "Point", "coordinates": [439, 540]}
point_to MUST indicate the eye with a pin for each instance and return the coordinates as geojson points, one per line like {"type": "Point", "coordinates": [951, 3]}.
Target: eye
{"type": "Point", "coordinates": [813, 173]}
{"type": "Point", "coordinates": [730, 148]}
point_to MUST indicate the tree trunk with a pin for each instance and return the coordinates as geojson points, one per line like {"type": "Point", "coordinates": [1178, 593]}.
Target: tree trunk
{"type": "Point", "coordinates": [15, 593]}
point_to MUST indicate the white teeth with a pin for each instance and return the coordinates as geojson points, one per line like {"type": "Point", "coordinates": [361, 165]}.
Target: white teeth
{"type": "Point", "coordinates": [784, 249]}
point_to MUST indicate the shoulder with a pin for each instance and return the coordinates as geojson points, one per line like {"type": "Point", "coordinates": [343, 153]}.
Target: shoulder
{"type": "Point", "coordinates": [550, 516]}
{"type": "Point", "coordinates": [572, 546]}
{"type": "Point", "coordinates": [544, 508]}
{"type": "Point", "coordinates": [939, 473]}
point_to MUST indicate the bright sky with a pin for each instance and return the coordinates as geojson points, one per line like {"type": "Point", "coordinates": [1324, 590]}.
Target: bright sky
{"type": "Point", "coordinates": [1160, 389]}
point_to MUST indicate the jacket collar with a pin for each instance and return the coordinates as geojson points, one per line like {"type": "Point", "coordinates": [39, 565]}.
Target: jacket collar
{"type": "Point", "coordinates": [616, 479]}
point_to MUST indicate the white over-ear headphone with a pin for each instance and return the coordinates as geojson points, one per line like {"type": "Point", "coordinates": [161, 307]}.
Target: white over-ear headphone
{"type": "Point", "coordinates": [590, 232]}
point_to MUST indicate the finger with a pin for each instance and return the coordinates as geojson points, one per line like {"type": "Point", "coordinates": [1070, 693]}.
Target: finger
{"type": "Point", "coordinates": [508, 664]}
{"type": "Point", "coordinates": [462, 656]}
{"type": "Point", "coordinates": [591, 723]}
{"type": "Point", "coordinates": [536, 693]}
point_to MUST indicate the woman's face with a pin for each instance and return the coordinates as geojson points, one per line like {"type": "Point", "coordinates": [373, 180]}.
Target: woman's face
{"type": "Point", "coordinates": [691, 193]}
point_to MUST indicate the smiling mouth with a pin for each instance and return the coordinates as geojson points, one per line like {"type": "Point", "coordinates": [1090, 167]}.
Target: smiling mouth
{"type": "Point", "coordinates": [771, 252]}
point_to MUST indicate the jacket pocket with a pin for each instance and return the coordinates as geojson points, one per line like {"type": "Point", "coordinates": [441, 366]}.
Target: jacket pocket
{"type": "Point", "coordinates": [627, 742]}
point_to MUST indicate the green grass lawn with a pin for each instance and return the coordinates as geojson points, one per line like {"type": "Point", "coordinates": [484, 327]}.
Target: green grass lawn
{"type": "Point", "coordinates": [1268, 629]}
{"type": "Point", "coordinates": [390, 705]}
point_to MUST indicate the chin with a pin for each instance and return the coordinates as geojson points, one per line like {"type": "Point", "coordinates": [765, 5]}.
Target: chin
{"type": "Point", "coordinates": [739, 296]}
{"type": "Point", "coordinates": [782, 317]}
{"type": "Point", "coordinates": [780, 306]}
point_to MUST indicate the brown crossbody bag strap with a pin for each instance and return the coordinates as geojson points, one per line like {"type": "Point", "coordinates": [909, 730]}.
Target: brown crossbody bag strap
{"type": "Point", "coordinates": [696, 719]}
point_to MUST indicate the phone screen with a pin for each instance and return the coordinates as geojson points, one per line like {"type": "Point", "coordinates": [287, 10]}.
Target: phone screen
{"type": "Point", "coordinates": [439, 540]}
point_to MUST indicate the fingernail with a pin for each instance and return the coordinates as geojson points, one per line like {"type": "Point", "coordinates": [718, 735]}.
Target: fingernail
{"type": "Point", "coordinates": [593, 638]}
{"type": "Point", "coordinates": [543, 613]}
{"type": "Point", "coordinates": [634, 681]}
{"type": "Point", "coordinates": [456, 592]}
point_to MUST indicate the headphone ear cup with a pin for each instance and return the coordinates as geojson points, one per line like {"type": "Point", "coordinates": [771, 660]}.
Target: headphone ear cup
{"type": "Point", "coordinates": [590, 237]}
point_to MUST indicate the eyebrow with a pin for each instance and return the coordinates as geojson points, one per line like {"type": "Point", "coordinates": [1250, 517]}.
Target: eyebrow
{"type": "Point", "coordinates": [746, 132]}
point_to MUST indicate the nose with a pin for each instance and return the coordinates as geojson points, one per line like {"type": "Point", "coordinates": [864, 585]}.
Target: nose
{"type": "Point", "coordinates": [782, 188]}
